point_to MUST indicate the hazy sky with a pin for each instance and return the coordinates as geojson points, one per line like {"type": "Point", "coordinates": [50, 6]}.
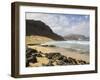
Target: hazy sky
{"type": "Point", "coordinates": [64, 24]}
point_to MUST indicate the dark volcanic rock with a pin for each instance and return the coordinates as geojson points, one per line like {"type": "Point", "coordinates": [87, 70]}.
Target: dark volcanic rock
{"type": "Point", "coordinates": [31, 56]}
{"type": "Point", "coordinates": [60, 62]}
{"type": "Point", "coordinates": [39, 55]}
{"type": "Point", "coordinates": [53, 58]}
{"type": "Point", "coordinates": [30, 51]}
{"type": "Point", "coordinates": [41, 29]}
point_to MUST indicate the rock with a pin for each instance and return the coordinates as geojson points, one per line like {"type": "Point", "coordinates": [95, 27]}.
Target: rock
{"type": "Point", "coordinates": [60, 62]}
{"type": "Point", "coordinates": [39, 55]}
{"type": "Point", "coordinates": [49, 55]}
{"type": "Point", "coordinates": [30, 59]}
{"type": "Point", "coordinates": [57, 56]}
{"type": "Point", "coordinates": [75, 61]}
{"type": "Point", "coordinates": [30, 56]}
{"type": "Point", "coordinates": [27, 64]}
{"type": "Point", "coordinates": [54, 56]}
{"type": "Point", "coordinates": [82, 62]}
{"type": "Point", "coordinates": [29, 50]}
{"type": "Point", "coordinates": [35, 58]}
{"type": "Point", "coordinates": [61, 57]}
{"type": "Point", "coordinates": [66, 60]}
{"type": "Point", "coordinates": [70, 61]}
{"type": "Point", "coordinates": [43, 55]}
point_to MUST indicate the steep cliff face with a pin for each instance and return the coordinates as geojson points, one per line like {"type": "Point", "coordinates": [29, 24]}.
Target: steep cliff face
{"type": "Point", "coordinates": [39, 28]}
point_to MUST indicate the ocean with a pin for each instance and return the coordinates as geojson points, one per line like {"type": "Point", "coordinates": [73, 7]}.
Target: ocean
{"type": "Point", "coordinates": [73, 44]}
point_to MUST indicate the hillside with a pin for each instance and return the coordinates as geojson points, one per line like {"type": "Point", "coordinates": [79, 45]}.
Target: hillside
{"type": "Point", "coordinates": [76, 37]}
{"type": "Point", "coordinates": [39, 28]}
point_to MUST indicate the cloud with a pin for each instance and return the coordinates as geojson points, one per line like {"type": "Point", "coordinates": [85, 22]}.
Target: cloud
{"type": "Point", "coordinates": [80, 28]}
{"type": "Point", "coordinates": [63, 24]}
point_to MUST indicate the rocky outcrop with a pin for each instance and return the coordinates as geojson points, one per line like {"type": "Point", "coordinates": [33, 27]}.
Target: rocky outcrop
{"type": "Point", "coordinates": [36, 59]}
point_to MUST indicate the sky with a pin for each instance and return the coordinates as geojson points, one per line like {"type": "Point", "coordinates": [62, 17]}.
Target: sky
{"type": "Point", "coordinates": [64, 24]}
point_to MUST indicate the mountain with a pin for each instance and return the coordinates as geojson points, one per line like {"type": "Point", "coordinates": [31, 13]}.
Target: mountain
{"type": "Point", "coordinates": [76, 37]}
{"type": "Point", "coordinates": [39, 28]}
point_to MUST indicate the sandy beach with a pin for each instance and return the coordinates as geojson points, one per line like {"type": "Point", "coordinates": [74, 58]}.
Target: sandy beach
{"type": "Point", "coordinates": [64, 51]}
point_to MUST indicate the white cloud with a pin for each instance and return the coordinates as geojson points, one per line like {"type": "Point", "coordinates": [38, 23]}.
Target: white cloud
{"type": "Point", "coordinates": [81, 28]}
{"type": "Point", "coordinates": [62, 24]}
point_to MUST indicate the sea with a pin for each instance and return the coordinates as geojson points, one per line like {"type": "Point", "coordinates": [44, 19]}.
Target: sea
{"type": "Point", "coordinates": [73, 44]}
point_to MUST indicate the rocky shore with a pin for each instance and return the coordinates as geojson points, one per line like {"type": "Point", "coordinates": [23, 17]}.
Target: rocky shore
{"type": "Point", "coordinates": [35, 58]}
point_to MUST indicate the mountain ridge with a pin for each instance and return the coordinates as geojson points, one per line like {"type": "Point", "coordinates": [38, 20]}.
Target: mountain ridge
{"type": "Point", "coordinates": [76, 37]}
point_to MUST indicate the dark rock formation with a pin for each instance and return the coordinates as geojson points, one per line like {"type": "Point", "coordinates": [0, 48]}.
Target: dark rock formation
{"type": "Point", "coordinates": [41, 29]}
{"type": "Point", "coordinates": [30, 56]}
{"type": "Point", "coordinates": [54, 58]}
